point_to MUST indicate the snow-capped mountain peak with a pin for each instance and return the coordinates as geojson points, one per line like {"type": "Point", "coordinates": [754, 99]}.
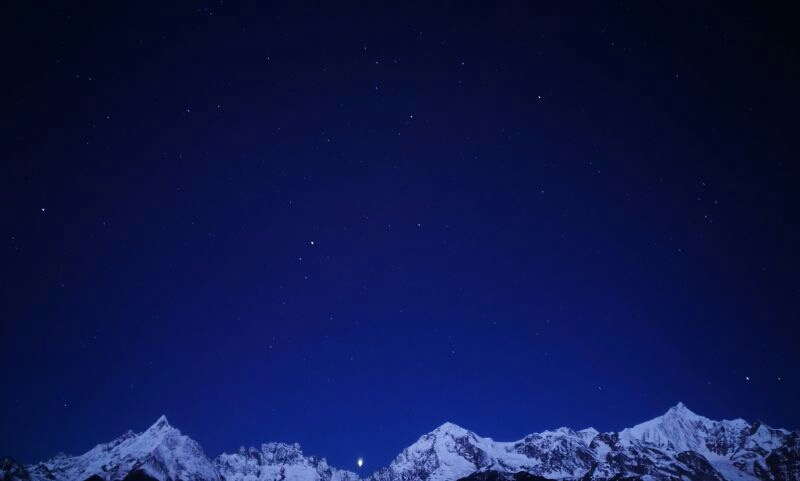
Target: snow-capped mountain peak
{"type": "Point", "coordinates": [161, 452]}
{"type": "Point", "coordinates": [681, 412]}
{"type": "Point", "coordinates": [680, 407]}
{"type": "Point", "coordinates": [448, 452]}
{"type": "Point", "coordinates": [451, 428]}
{"type": "Point", "coordinates": [588, 434]}
{"type": "Point", "coordinates": [160, 424]}
{"type": "Point", "coordinates": [679, 429]}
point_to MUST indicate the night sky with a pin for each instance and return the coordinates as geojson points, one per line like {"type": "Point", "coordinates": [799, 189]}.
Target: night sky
{"type": "Point", "coordinates": [343, 227]}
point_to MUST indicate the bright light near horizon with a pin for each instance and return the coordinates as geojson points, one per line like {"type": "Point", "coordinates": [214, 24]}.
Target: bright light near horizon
{"type": "Point", "coordinates": [360, 462]}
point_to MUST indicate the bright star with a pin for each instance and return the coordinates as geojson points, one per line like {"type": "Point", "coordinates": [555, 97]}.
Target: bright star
{"type": "Point", "coordinates": [360, 462]}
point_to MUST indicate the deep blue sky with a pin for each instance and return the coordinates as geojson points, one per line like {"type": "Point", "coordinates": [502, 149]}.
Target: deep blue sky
{"type": "Point", "coordinates": [521, 218]}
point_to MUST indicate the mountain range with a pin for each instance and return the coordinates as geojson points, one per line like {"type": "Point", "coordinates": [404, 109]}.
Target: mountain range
{"type": "Point", "coordinates": [679, 445]}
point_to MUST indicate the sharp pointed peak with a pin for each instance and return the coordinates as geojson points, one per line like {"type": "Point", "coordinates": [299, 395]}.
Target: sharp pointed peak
{"type": "Point", "coordinates": [680, 409]}
{"type": "Point", "coordinates": [161, 423]}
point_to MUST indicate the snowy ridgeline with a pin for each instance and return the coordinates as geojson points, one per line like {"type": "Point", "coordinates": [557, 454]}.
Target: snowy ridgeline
{"type": "Point", "coordinates": [680, 445]}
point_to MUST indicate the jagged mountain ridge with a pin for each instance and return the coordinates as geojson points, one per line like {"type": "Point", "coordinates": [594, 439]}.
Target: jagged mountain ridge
{"type": "Point", "coordinates": [677, 445]}
{"type": "Point", "coordinates": [161, 452]}
{"type": "Point", "coordinates": [277, 461]}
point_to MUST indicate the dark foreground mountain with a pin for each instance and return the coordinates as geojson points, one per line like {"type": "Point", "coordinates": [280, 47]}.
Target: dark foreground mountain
{"type": "Point", "coordinates": [502, 476]}
{"type": "Point", "coordinates": [680, 445]}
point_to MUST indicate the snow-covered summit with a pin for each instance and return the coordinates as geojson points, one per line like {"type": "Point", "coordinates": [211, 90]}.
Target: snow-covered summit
{"type": "Point", "coordinates": [678, 429]}
{"type": "Point", "coordinates": [451, 452]}
{"type": "Point", "coordinates": [735, 448]}
{"type": "Point", "coordinates": [161, 452]}
{"type": "Point", "coordinates": [160, 424]}
{"type": "Point", "coordinates": [451, 429]}
{"type": "Point", "coordinates": [588, 434]}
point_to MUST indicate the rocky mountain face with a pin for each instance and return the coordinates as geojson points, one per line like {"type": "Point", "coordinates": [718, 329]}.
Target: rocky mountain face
{"type": "Point", "coordinates": [161, 453]}
{"type": "Point", "coordinates": [11, 470]}
{"type": "Point", "coordinates": [680, 445]}
{"type": "Point", "coordinates": [277, 462]}
{"type": "Point", "coordinates": [502, 476]}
